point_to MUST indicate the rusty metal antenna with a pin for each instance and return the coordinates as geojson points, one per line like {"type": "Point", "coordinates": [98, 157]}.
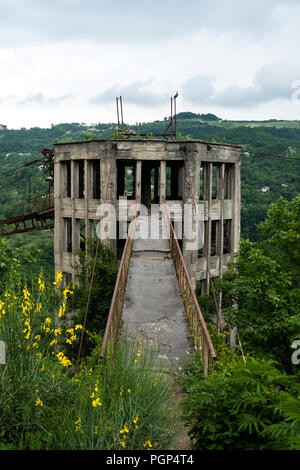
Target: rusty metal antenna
{"type": "Point", "coordinates": [124, 130]}
{"type": "Point", "coordinates": [117, 101]}
{"type": "Point", "coordinates": [173, 117]}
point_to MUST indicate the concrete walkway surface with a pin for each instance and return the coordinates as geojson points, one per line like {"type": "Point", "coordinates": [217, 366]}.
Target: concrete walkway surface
{"type": "Point", "coordinates": [153, 308]}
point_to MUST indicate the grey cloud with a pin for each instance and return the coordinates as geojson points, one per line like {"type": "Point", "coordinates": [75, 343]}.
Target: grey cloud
{"type": "Point", "coordinates": [35, 99]}
{"type": "Point", "coordinates": [26, 21]}
{"type": "Point", "coordinates": [198, 89]}
{"type": "Point", "coordinates": [271, 82]}
{"type": "Point", "coordinates": [137, 93]}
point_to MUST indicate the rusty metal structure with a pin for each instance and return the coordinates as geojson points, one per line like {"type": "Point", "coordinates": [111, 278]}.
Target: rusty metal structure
{"type": "Point", "coordinates": [113, 325]}
{"type": "Point", "coordinates": [37, 213]}
{"type": "Point", "coordinates": [196, 323]}
{"type": "Point", "coordinates": [170, 131]}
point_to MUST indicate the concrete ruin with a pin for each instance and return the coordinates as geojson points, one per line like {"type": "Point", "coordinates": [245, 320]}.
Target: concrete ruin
{"type": "Point", "coordinates": [149, 172]}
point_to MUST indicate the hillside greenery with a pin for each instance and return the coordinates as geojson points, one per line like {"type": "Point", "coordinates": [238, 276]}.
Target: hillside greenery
{"type": "Point", "coordinates": [272, 137]}
{"type": "Point", "coordinates": [251, 399]}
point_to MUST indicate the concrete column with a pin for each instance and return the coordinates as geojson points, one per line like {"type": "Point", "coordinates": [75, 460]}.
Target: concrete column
{"type": "Point", "coordinates": [87, 195]}
{"type": "Point", "coordinates": [138, 181]}
{"type": "Point", "coordinates": [58, 221]}
{"type": "Point", "coordinates": [236, 207]}
{"type": "Point", "coordinates": [221, 185]}
{"type": "Point", "coordinates": [208, 191]}
{"type": "Point", "coordinates": [162, 181]}
{"type": "Point", "coordinates": [74, 191]}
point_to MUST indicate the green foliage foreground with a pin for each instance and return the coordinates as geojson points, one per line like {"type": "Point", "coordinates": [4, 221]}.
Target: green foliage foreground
{"type": "Point", "coordinates": [264, 282]}
{"type": "Point", "coordinates": [250, 406]}
{"type": "Point", "coordinates": [46, 403]}
{"type": "Point", "coordinates": [251, 402]}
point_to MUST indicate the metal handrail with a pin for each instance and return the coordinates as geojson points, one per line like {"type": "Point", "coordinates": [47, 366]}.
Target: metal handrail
{"type": "Point", "coordinates": [195, 320]}
{"type": "Point", "coordinates": [115, 313]}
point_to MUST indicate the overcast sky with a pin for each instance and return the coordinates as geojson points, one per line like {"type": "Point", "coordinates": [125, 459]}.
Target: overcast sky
{"type": "Point", "coordinates": [67, 60]}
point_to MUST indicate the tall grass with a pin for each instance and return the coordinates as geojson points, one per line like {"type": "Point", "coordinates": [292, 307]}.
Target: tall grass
{"type": "Point", "coordinates": [119, 403]}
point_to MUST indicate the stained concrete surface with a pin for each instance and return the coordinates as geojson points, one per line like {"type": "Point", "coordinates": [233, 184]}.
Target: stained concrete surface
{"type": "Point", "coordinates": [153, 308]}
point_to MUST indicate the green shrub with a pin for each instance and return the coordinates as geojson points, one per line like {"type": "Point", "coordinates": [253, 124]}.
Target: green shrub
{"type": "Point", "coordinates": [235, 407]}
{"type": "Point", "coordinates": [102, 290]}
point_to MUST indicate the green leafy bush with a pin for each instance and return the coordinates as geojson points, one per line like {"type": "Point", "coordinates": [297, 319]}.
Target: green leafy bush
{"type": "Point", "coordinates": [102, 290]}
{"type": "Point", "coordinates": [235, 407]}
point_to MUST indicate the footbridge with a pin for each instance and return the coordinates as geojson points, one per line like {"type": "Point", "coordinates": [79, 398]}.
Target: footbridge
{"type": "Point", "coordinates": [154, 298]}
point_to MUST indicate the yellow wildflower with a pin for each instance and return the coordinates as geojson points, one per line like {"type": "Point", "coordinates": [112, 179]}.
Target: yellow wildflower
{"type": "Point", "coordinates": [78, 424]}
{"type": "Point", "coordinates": [122, 431]}
{"type": "Point", "coordinates": [62, 309]}
{"type": "Point", "coordinates": [63, 360]}
{"type": "Point", "coordinates": [66, 292]}
{"type": "Point", "coordinates": [41, 283]}
{"type": "Point", "coordinates": [58, 278]}
{"type": "Point", "coordinates": [39, 402]}
{"type": "Point", "coordinates": [123, 444]}
{"type": "Point", "coordinates": [96, 402]}
{"type": "Point", "coordinates": [148, 443]}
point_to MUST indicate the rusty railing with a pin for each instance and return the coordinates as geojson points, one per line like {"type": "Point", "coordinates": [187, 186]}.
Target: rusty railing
{"type": "Point", "coordinates": [115, 313]}
{"type": "Point", "coordinates": [195, 321]}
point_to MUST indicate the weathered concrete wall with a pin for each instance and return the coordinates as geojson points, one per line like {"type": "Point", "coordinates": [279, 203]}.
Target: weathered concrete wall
{"type": "Point", "coordinates": [219, 158]}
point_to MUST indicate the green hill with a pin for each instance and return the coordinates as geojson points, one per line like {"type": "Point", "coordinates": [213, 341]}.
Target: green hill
{"type": "Point", "coordinates": [264, 140]}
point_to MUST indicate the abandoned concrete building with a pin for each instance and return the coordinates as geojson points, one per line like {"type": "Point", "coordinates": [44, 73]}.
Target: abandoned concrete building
{"type": "Point", "coordinates": [149, 172]}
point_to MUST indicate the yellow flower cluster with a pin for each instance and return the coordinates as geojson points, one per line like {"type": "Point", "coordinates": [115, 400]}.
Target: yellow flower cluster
{"type": "Point", "coordinates": [78, 424]}
{"type": "Point", "coordinates": [26, 304]}
{"type": "Point", "coordinates": [135, 420]}
{"type": "Point", "coordinates": [58, 279]}
{"type": "Point", "coordinates": [62, 309]}
{"type": "Point", "coordinates": [148, 443]}
{"type": "Point", "coordinates": [41, 284]}
{"type": "Point", "coordinates": [96, 396]}
{"type": "Point", "coordinates": [63, 360]}
{"type": "Point", "coordinates": [72, 337]}
{"type": "Point", "coordinates": [47, 324]}
{"type": "Point", "coordinates": [39, 402]}
{"type": "Point", "coordinates": [2, 310]}
{"type": "Point", "coordinates": [66, 292]}
{"type": "Point", "coordinates": [138, 354]}
{"type": "Point", "coordinates": [27, 330]}
{"type": "Point", "coordinates": [124, 432]}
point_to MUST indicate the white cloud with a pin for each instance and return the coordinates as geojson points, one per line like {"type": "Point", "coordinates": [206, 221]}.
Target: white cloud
{"type": "Point", "coordinates": [67, 60]}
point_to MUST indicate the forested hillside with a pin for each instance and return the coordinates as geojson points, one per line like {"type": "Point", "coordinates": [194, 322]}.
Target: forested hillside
{"type": "Point", "coordinates": [269, 171]}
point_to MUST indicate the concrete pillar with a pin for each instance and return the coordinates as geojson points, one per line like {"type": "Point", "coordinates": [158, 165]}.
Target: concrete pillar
{"type": "Point", "coordinates": [138, 182]}
{"type": "Point", "coordinates": [162, 181]}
